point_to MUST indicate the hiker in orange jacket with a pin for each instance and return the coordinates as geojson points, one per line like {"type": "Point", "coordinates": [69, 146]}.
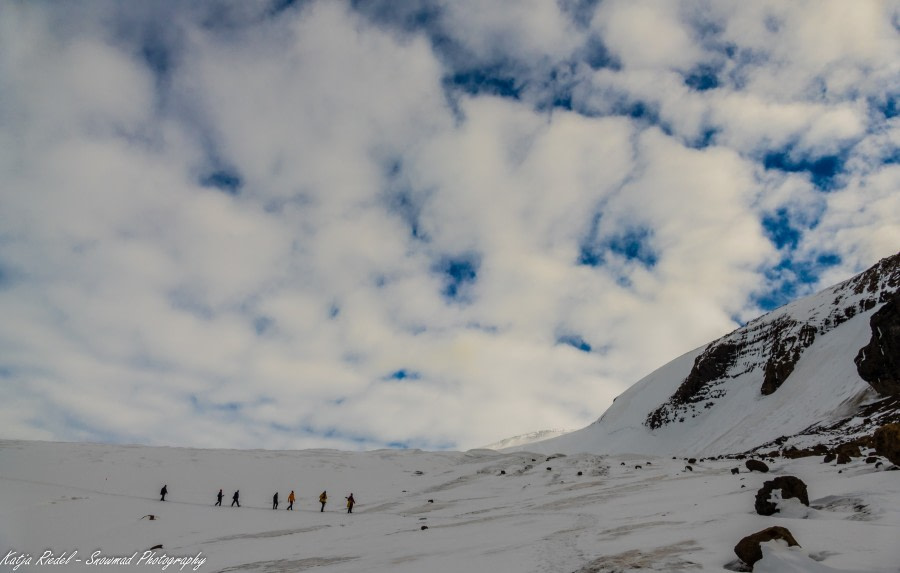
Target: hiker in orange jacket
{"type": "Point", "coordinates": [291, 499]}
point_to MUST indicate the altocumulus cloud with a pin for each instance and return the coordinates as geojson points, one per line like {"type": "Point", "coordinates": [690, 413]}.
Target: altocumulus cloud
{"type": "Point", "coordinates": [416, 224]}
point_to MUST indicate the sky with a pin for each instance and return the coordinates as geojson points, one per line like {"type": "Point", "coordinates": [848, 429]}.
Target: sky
{"type": "Point", "coordinates": [420, 224]}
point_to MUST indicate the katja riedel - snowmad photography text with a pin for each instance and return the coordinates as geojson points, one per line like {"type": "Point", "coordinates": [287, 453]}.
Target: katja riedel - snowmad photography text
{"type": "Point", "coordinates": [148, 558]}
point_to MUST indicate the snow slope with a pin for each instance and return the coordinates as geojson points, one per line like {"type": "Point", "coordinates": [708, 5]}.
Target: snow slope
{"type": "Point", "coordinates": [484, 511]}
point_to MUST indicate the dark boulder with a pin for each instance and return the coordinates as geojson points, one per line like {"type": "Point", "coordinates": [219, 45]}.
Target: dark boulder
{"type": "Point", "coordinates": [790, 486]}
{"type": "Point", "coordinates": [829, 458]}
{"type": "Point", "coordinates": [878, 363]}
{"type": "Point", "coordinates": [852, 450]}
{"type": "Point", "coordinates": [887, 442]}
{"type": "Point", "coordinates": [756, 466]}
{"type": "Point", "coordinates": [748, 549]}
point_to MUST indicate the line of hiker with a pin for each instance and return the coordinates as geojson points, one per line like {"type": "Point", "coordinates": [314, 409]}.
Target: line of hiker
{"type": "Point", "coordinates": [235, 499]}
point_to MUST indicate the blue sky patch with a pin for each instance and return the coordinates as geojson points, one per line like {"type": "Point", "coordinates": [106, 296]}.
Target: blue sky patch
{"type": "Point", "coordinates": [780, 230]}
{"type": "Point", "coordinates": [404, 375]}
{"type": "Point", "coordinates": [823, 171]}
{"type": "Point", "coordinates": [887, 106]}
{"type": "Point", "coordinates": [588, 253]}
{"type": "Point", "coordinates": [634, 245]}
{"type": "Point", "coordinates": [459, 274]}
{"type": "Point", "coordinates": [485, 81]}
{"type": "Point", "coordinates": [791, 279]}
{"type": "Point", "coordinates": [705, 139]}
{"type": "Point", "coordinates": [575, 341]}
{"type": "Point", "coordinates": [598, 56]}
{"type": "Point", "coordinates": [702, 78]}
{"type": "Point", "coordinates": [225, 180]}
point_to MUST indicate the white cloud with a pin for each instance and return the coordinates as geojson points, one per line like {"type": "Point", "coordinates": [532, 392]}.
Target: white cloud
{"type": "Point", "coordinates": [645, 34]}
{"type": "Point", "coordinates": [279, 311]}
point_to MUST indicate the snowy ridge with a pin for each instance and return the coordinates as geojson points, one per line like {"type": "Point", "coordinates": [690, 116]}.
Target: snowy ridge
{"type": "Point", "coordinates": [525, 439]}
{"type": "Point", "coordinates": [781, 379]}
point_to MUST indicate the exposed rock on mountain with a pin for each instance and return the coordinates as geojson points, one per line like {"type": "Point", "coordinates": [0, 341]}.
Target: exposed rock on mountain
{"type": "Point", "coordinates": [878, 362]}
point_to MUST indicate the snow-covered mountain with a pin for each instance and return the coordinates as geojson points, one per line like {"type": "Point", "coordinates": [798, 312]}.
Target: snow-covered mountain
{"type": "Point", "coordinates": [525, 439]}
{"type": "Point", "coordinates": [823, 369]}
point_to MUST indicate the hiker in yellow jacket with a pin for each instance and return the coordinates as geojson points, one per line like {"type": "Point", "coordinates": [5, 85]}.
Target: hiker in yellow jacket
{"type": "Point", "coordinates": [350, 503]}
{"type": "Point", "coordinates": [291, 499]}
{"type": "Point", "coordinates": [322, 499]}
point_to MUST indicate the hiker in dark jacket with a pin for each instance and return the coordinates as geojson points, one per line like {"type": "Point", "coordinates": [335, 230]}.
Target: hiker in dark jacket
{"type": "Point", "coordinates": [275, 501]}
{"type": "Point", "coordinates": [323, 499]}
{"type": "Point", "coordinates": [163, 493]}
{"type": "Point", "coordinates": [234, 498]}
{"type": "Point", "coordinates": [219, 498]}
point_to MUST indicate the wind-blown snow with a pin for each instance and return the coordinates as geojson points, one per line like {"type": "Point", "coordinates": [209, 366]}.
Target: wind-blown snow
{"type": "Point", "coordinates": [538, 516]}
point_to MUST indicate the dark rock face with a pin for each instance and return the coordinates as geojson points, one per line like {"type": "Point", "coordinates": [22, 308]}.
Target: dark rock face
{"type": "Point", "coordinates": [748, 549]}
{"type": "Point", "coordinates": [711, 365]}
{"type": "Point", "coordinates": [789, 343]}
{"type": "Point", "coordinates": [790, 486]}
{"type": "Point", "coordinates": [878, 362]}
{"type": "Point", "coordinates": [756, 466]}
{"type": "Point", "coordinates": [887, 442]}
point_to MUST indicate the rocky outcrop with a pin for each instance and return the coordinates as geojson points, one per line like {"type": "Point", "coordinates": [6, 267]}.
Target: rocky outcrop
{"type": "Point", "coordinates": [787, 348]}
{"type": "Point", "coordinates": [887, 442]}
{"type": "Point", "coordinates": [756, 466]}
{"type": "Point", "coordinates": [878, 363]}
{"type": "Point", "coordinates": [748, 549]}
{"type": "Point", "coordinates": [712, 365]}
{"type": "Point", "coordinates": [791, 488]}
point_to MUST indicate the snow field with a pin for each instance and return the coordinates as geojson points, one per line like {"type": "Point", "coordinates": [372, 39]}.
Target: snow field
{"type": "Point", "coordinates": [614, 517]}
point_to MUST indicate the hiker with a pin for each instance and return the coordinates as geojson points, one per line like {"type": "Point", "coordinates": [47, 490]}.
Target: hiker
{"type": "Point", "coordinates": [291, 499]}
{"type": "Point", "coordinates": [219, 498]}
{"type": "Point", "coordinates": [350, 503]}
{"type": "Point", "coordinates": [275, 501]}
{"type": "Point", "coordinates": [322, 499]}
{"type": "Point", "coordinates": [163, 493]}
{"type": "Point", "coordinates": [234, 498]}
